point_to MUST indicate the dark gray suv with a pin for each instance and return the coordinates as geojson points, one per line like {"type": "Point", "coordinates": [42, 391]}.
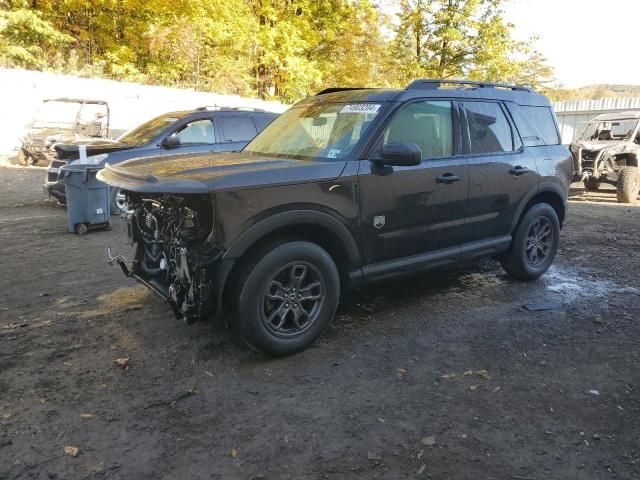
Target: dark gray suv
{"type": "Point", "coordinates": [345, 188]}
{"type": "Point", "coordinates": [203, 130]}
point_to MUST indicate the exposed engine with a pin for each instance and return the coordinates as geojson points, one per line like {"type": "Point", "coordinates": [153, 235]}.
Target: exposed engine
{"type": "Point", "coordinates": [174, 250]}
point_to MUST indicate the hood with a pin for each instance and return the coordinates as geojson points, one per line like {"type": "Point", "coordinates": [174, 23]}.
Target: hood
{"type": "Point", "coordinates": [207, 173]}
{"type": "Point", "coordinates": [596, 146]}
{"type": "Point", "coordinates": [71, 150]}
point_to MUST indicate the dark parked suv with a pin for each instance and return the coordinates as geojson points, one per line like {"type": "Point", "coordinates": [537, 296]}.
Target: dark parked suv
{"type": "Point", "coordinates": [345, 188]}
{"type": "Point", "coordinates": [204, 130]}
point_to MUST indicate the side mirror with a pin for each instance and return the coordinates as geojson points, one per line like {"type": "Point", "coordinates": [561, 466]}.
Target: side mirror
{"type": "Point", "coordinates": [401, 154]}
{"type": "Point", "coordinates": [172, 141]}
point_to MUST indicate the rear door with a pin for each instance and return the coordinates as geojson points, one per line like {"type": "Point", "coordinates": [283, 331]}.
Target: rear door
{"type": "Point", "coordinates": [235, 131]}
{"type": "Point", "coordinates": [501, 170]}
{"type": "Point", "coordinates": [415, 209]}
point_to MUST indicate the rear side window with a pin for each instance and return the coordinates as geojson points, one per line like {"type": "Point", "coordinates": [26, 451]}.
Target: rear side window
{"type": "Point", "coordinates": [536, 124]}
{"type": "Point", "coordinates": [489, 129]}
{"type": "Point", "coordinates": [427, 124]}
{"type": "Point", "coordinates": [236, 128]}
{"type": "Point", "coordinates": [262, 122]}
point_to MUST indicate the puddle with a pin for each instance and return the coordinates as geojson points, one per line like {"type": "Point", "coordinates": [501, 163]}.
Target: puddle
{"type": "Point", "coordinates": [575, 285]}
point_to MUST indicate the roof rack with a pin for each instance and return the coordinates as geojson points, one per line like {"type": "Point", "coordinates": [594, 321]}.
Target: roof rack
{"type": "Point", "coordinates": [427, 84]}
{"type": "Point", "coordinates": [232, 109]}
{"type": "Point", "coordinates": [339, 89]}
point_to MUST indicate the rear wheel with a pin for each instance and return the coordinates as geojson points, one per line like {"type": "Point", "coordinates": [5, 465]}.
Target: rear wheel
{"type": "Point", "coordinates": [287, 297]}
{"type": "Point", "coordinates": [628, 185]}
{"type": "Point", "coordinates": [535, 243]}
{"type": "Point", "coordinates": [592, 184]}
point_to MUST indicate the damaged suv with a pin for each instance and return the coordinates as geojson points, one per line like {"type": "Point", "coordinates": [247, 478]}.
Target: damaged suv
{"type": "Point", "coordinates": [607, 151]}
{"type": "Point", "coordinates": [345, 188]}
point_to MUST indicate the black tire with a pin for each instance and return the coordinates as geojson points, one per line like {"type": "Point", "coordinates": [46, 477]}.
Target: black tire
{"type": "Point", "coordinates": [518, 261]}
{"type": "Point", "coordinates": [628, 186]}
{"type": "Point", "coordinates": [22, 158]}
{"type": "Point", "coordinates": [592, 184]}
{"type": "Point", "coordinates": [115, 202]}
{"type": "Point", "coordinates": [260, 302]}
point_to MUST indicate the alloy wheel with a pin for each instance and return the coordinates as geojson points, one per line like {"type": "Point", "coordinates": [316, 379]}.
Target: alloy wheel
{"type": "Point", "coordinates": [539, 241]}
{"type": "Point", "coordinates": [292, 299]}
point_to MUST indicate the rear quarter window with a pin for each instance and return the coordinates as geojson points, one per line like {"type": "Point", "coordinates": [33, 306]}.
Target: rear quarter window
{"type": "Point", "coordinates": [536, 124]}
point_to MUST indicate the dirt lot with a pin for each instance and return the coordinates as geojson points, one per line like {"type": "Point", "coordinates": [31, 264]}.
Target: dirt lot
{"type": "Point", "coordinates": [442, 376]}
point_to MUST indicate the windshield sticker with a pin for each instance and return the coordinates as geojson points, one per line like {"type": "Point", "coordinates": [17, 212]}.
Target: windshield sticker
{"type": "Point", "coordinates": [333, 153]}
{"type": "Point", "coordinates": [361, 108]}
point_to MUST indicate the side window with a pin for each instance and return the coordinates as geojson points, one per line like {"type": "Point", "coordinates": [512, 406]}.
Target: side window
{"type": "Point", "coordinates": [427, 124]}
{"type": "Point", "coordinates": [197, 132]}
{"type": "Point", "coordinates": [536, 124]}
{"type": "Point", "coordinates": [262, 122]}
{"type": "Point", "coordinates": [489, 129]}
{"type": "Point", "coordinates": [236, 128]}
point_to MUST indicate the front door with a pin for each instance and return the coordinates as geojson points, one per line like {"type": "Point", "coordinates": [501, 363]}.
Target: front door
{"type": "Point", "coordinates": [501, 171]}
{"type": "Point", "coordinates": [197, 136]}
{"type": "Point", "coordinates": [415, 209]}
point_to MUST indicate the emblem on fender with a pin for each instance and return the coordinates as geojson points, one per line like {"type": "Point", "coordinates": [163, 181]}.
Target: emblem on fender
{"type": "Point", "coordinates": [379, 221]}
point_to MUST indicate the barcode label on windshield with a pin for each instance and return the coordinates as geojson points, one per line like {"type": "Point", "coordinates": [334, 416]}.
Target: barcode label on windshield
{"type": "Point", "coordinates": [361, 108]}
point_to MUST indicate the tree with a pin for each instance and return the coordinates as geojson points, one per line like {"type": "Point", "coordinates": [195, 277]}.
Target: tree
{"type": "Point", "coordinates": [463, 39]}
{"type": "Point", "coordinates": [27, 39]}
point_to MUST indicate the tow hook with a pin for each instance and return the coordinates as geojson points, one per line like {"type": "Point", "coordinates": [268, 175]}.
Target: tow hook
{"type": "Point", "coordinates": [120, 260]}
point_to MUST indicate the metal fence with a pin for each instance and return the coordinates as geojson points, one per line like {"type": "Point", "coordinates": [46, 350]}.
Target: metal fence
{"type": "Point", "coordinates": [574, 114]}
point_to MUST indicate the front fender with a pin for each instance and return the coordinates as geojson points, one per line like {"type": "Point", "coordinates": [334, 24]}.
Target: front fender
{"type": "Point", "coordinates": [290, 218]}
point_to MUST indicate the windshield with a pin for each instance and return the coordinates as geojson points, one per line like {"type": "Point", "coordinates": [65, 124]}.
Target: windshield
{"type": "Point", "coordinates": [321, 131]}
{"type": "Point", "coordinates": [609, 130]}
{"type": "Point", "coordinates": [57, 113]}
{"type": "Point", "coordinates": [147, 131]}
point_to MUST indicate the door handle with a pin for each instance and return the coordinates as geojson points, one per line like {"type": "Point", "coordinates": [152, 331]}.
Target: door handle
{"type": "Point", "coordinates": [448, 178]}
{"type": "Point", "coordinates": [518, 170]}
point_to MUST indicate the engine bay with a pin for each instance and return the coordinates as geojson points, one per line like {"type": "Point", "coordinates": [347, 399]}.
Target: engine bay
{"type": "Point", "coordinates": [174, 249]}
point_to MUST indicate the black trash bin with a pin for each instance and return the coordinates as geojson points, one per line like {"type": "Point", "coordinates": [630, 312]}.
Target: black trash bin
{"type": "Point", "coordinates": [88, 199]}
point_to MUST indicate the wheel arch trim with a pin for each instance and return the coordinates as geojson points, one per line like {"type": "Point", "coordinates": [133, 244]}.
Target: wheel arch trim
{"type": "Point", "coordinates": [290, 218]}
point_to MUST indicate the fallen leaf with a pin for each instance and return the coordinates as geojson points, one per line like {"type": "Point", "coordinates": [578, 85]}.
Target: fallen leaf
{"type": "Point", "coordinates": [495, 390]}
{"type": "Point", "coordinates": [473, 387]}
{"type": "Point", "coordinates": [285, 439]}
{"type": "Point", "coordinates": [468, 373]}
{"type": "Point", "coordinates": [483, 374]}
{"type": "Point", "coordinates": [86, 415]}
{"type": "Point", "coordinates": [234, 453]}
{"type": "Point", "coordinates": [420, 454]}
{"type": "Point", "coordinates": [429, 441]}
{"type": "Point", "coordinates": [421, 469]}
{"type": "Point", "coordinates": [122, 362]}
{"type": "Point", "coordinates": [402, 370]}
{"type": "Point", "coordinates": [71, 451]}
{"type": "Point", "coordinates": [373, 456]}
{"type": "Point", "coordinates": [447, 376]}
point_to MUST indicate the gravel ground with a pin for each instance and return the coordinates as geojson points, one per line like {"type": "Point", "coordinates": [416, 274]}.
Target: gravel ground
{"type": "Point", "coordinates": [442, 376]}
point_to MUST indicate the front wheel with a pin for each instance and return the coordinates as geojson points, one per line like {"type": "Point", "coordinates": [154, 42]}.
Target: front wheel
{"type": "Point", "coordinates": [535, 243]}
{"type": "Point", "coordinates": [118, 202]}
{"type": "Point", "coordinates": [287, 297]}
{"type": "Point", "coordinates": [628, 185]}
{"type": "Point", "coordinates": [22, 158]}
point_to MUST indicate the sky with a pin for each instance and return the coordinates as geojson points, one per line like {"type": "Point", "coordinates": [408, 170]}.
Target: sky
{"type": "Point", "coordinates": [585, 41]}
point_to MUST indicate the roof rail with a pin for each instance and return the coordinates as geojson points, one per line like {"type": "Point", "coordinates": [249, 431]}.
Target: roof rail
{"type": "Point", "coordinates": [232, 109]}
{"type": "Point", "coordinates": [339, 89]}
{"type": "Point", "coordinates": [425, 83]}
